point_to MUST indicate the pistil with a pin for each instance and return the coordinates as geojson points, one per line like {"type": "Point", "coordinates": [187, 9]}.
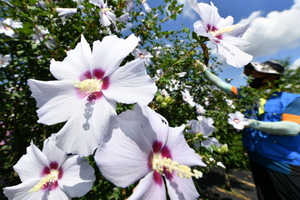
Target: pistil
{"type": "Point", "coordinates": [50, 178]}
{"type": "Point", "coordinates": [88, 85]}
{"type": "Point", "coordinates": [236, 120]}
{"type": "Point", "coordinates": [160, 164]}
{"type": "Point", "coordinates": [223, 30]}
{"type": "Point", "coordinates": [105, 9]}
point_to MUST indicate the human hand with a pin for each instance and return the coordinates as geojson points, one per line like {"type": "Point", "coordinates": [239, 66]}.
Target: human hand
{"type": "Point", "coordinates": [200, 66]}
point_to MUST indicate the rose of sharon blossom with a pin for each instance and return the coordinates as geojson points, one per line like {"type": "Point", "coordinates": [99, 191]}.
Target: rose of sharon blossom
{"type": "Point", "coordinates": [89, 85]}
{"type": "Point", "coordinates": [221, 32]}
{"type": "Point", "coordinates": [142, 54]}
{"type": "Point", "coordinates": [51, 174]}
{"type": "Point", "coordinates": [4, 60]}
{"type": "Point", "coordinates": [143, 145]}
{"type": "Point", "coordinates": [7, 26]}
{"type": "Point", "coordinates": [106, 16]}
{"type": "Point", "coordinates": [203, 128]}
{"type": "Point", "coordinates": [200, 109]}
{"type": "Point", "coordinates": [187, 97]}
{"type": "Point", "coordinates": [146, 6]}
{"type": "Point", "coordinates": [42, 35]}
{"type": "Point", "coordinates": [237, 120]}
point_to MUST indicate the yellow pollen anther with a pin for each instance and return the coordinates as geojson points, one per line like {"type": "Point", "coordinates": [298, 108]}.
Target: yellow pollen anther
{"type": "Point", "coordinates": [88, 85]}
{"type": "Point", "coordinates": [223, 30]}
{"type": "Point", "coordinates": [105, 9]}
{"type": "Point", "coordinates": [162, 163]}
{"type": "Point", "coordinates": [53, 176]}
{"type": "Point", "coordinates": [236, 120]}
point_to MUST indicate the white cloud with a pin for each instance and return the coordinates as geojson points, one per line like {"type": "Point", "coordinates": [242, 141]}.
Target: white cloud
{"type": "Point", "coordinates": [252, 17]}
{"type": "Point", "coordinates": [295, 64]}
{"type": "Point", "coordinates": [277, 31]}
{"type": "Point", "coordinates": [188, 11]}
{"type": "Point", "coordinates": [296, 4]}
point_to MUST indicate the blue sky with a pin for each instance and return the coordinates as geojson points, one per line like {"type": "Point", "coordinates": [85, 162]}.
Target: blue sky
{"type": "Point", "coordinates": [274, 31]}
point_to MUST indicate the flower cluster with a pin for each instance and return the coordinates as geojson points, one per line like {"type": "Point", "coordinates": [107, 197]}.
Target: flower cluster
{"type": "Point", "coordinates": [90, 83]}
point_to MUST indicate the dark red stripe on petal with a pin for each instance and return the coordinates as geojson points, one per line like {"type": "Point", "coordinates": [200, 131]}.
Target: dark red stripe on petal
{"type": "Point", "coordinates": [157, 178]}
{"type": "Point", "coordinates": [60, 173]}
{"type": "Point", "coordinates": [94, 96]}
{"type": "Point", "coordinates": [211, 28]}
{"type": "Point", "coordinates": [86, 75]}
{"type": "Point", "coordinates": [168, 174]}
{"type": "Point", "coordinates": [157, 145]}
{"type": "Point", "coordinates": [53, 165]}
{"type": "Point", "coordinates": [166, 153]}
{"type": "Point", "coordinates": [98, 73]}
{"type": "Point", "coordinates": [105, 83]}
{"type": "Point", "coordinates": [150, 160]}
{"type": "Point", "coordinates": [45, 171]}
{"type": "Point", "coordinates": [219, 37]}
{"type": "Point", "coordinates": [50, 186]}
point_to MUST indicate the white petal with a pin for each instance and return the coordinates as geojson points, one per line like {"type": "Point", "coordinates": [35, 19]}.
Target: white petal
{"type": "Point", "coordinates": [239, 115]}
{"type": "Point", "coordinates": [181, 189]}
{"type": "Point", "coordinates": [65, 11]}
{"type": "Point", "coordinates": [209, 14]}
{"type": "Point", "coordinates": [108, 54]}
{"type": "Point", "coordinates": [148, 189]}
{"type": "Point", "coordinates": [200, 29]}
{"type": "Point", "coordinates": [9, 32]}
{"type": "Point", "coordinates": [237, 41]}
{"type": "Point", "coordinates": [180, 150]}
{"type": "Point", "coordinates": [52, 152]}
{"type": "Point", "coordinates": [104, 19]}
{"type": "Point", "coordinates": [32, 164]}
{"type": "Point", "coordinates": [57, 194]}
{"type": "Point", "coordinates": [131, 84]}
{"type": "Point", "coordinates": [57, 100]}
{"type": "Point", "coordinates": [88, 127]}
{"type": "Point", "coordinates": [223, 23]}
{"type": "Point", "coordinates": [21, 191]}
{"type": "Point", "coordinates": [194, 5]}
{"type": "Point", "coordinates": [16, 24]}
{"type": "Point", "coordinates": [75, 64]}
{"type": "Point", "coordinates": [155, 126]}
{"type": "Point", "coordinates": [124, 158]}
{"type": "Point", "coordinates": [239, 30]}
{"type": "Point", "coordinates": [97, 2]}
{"type": "Point", "coordinates": [234, 56]}
{"type": "Point", "coordinates": [111, 16]}
{"type": "Point", "coordinates": [210, 141]}
{"type": "Point", "coordinates": [147, 7]}
{"type": "Point", "coordinates": [78, 176]}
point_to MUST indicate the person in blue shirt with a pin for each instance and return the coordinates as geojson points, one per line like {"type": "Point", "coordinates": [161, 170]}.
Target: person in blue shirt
{"type": "Point", "coordinates": [272, 137]}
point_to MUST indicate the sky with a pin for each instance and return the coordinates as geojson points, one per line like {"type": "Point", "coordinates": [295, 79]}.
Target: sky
{"type": "Point", "coordinates": [274, 31]}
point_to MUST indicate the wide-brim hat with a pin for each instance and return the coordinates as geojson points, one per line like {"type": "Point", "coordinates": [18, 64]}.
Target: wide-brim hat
{"type": "Point", "coordinates": [268, 67]}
